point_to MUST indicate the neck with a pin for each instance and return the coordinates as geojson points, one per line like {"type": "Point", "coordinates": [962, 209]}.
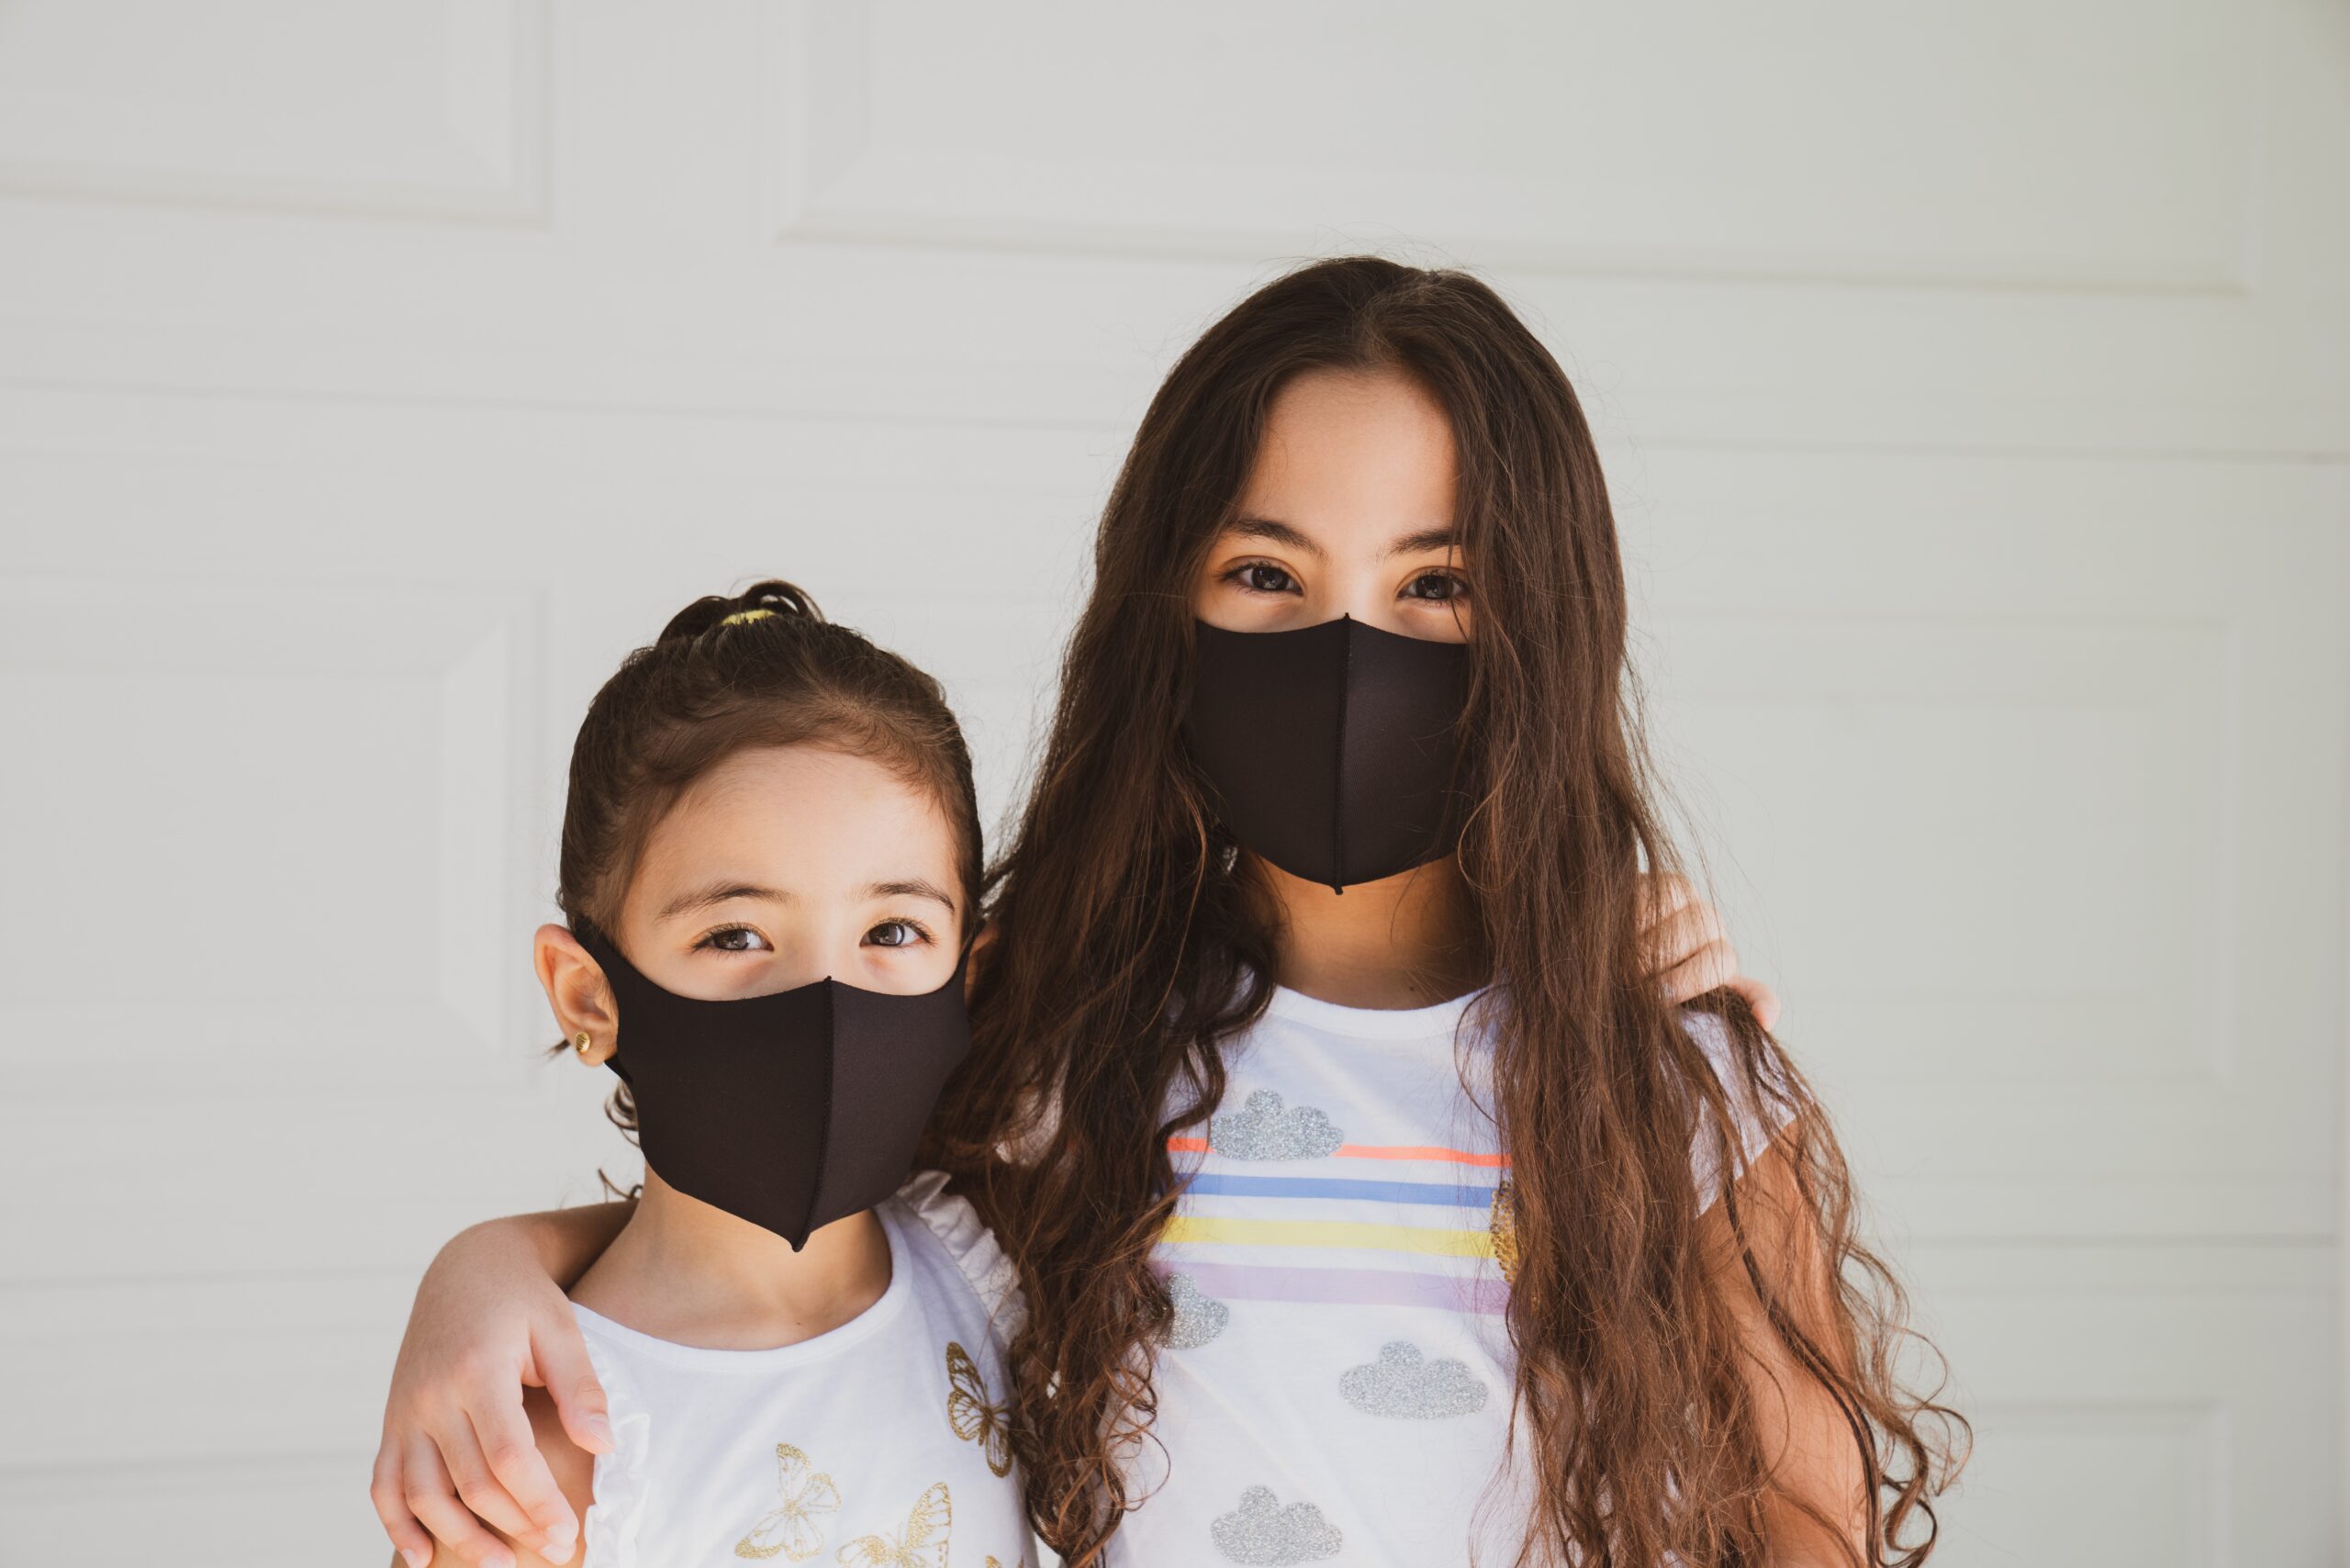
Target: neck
{"type": "Point", "coordinates": [685, 1272]}
{"type": "Point", "coordinates": [1409, 940]}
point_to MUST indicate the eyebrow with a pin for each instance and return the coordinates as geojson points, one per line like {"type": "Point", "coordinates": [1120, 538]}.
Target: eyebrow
{"type": "Point", "coordinates": [913, 888]}
{"type": "Point", "coordinates": [1445, 537]}
{"type": "Point", "coordinates": [718, 892]}
{"type": "Point", "coordinates": [1281, 534]}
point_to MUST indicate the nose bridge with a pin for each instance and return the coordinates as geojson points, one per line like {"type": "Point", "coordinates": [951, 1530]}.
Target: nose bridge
{"type": "Point", "coordinates": [1361, 588]}
{"type": "Point", "coordinates": [791, 976]}
{"type": "Point", "coordinates": [811, 946]}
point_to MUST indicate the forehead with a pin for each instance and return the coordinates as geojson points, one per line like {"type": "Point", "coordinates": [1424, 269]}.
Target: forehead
{"type": "Point", "coordinates": [1354, 451]}
{"type": "Point", "coordinates": [802, 816]}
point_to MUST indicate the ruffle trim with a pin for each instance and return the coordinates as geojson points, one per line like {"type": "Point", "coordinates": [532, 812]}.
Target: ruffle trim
{"type": "Point", "coordinates": [609, 1531]}
{"type": "Point", "coordinates": [971, 1244]}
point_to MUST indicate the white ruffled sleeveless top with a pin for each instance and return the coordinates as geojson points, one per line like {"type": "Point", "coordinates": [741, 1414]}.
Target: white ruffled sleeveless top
{"type": "Point", "coordinates": [881, 1441]}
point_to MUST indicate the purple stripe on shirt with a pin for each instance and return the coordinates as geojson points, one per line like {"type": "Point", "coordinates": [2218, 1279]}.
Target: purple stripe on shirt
{"type": "Point", "coordinates": [1342, 1287]}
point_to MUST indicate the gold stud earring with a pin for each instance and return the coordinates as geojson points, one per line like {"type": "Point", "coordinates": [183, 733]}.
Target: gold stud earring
{"type": "Point", "coordinates": [580, 1043]}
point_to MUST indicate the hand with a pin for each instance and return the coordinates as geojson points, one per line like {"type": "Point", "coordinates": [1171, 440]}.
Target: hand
{"type": "Point", "coordinates": [1688, 950]}
{"type": "Point", "coordinates": [458, 1455]}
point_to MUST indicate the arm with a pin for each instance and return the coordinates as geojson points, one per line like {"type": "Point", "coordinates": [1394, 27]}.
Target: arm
{"type": "Point", "coordinates": [458, 1454]}
{"type": "Point", "coordinates": [568, 1241]}
{"type": "Point", "coordinates": [1809, 1450]}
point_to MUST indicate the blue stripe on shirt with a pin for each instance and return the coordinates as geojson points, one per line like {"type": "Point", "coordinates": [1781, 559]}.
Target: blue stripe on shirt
{"type": "Point", "coordinates": [1446, 1194]}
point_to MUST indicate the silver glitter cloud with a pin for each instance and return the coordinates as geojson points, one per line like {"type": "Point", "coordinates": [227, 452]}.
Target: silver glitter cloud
{"type": "Point", "coordinates": [1198, 1318]}
{"type": "Point", "coordinates": [1403, 1383]}
{"type": "Point", "coordinates": [1263, 1534]}
{"type": "Point", "coordinates": [1262, 1130]}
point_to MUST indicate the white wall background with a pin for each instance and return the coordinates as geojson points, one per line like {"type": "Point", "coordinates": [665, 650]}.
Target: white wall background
{"type": "Point", "coordinates": [1975, 381]}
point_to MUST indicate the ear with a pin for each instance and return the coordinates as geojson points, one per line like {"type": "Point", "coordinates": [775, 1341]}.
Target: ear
{"type": "Point", "coordinates": [578, 993]}
{"type": "Point", "coordinates": [982, 948]}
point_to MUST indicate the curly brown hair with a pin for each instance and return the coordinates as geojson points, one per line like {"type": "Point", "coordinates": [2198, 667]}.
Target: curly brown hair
{"type": "Point", "coordinates": [1131, 939]}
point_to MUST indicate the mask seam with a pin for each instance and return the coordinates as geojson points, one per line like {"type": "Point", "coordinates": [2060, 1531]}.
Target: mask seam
{"type": "Point", "coordinates": [1339, 763]}
{"type": "Point", "coordinates": [824, 1129]}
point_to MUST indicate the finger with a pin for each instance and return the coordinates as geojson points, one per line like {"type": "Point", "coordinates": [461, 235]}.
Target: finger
{"type": "Point", "coordinates": [477, 1444]}
{"type": "Point", "coordinates": [1760, 997]}
{"type": "Point", "coordinates": [385, 1490]}
{"type": "Point", "coordinates": [559, 1354]}
{"type": "Point", "coordinates": [1660, 895]}
{"type": "Point", "coordinates": [520, 1473]}
{"type": "Point", "coordinates": [432, 1497]}
{"type": "Point", "coordinates": [1684, 934]}
{"type": "Point", "coordinates": [1705, 970]}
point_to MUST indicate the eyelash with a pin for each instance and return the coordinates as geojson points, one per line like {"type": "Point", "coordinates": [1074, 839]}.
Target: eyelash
{"type": "Point", "coordinates": [708, 940]}
{"type": "Point", "coordinates": [1238, 577]}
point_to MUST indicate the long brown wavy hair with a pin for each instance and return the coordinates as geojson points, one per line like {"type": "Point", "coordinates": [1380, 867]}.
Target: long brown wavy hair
{"type": "Point", "coordinates": [1131, 937]}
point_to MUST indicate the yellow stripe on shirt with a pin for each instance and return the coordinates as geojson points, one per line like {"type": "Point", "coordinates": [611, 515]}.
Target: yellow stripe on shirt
{"type": "Point", "coordinates": [1330, 1232]}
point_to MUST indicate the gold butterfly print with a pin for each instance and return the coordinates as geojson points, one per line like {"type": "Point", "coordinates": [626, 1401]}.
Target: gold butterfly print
{"type": "Point", "coordinates": [924, 1544]}
{"type": "Point", "coordinates": [791, 1530]}
{"type": "Point", "coordinates": [968, 1410]}
{"type": "Point", "coordinates": [1503, 1226]}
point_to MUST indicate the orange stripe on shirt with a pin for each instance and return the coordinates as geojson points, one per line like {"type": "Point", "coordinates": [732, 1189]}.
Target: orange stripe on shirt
{"type": "Point", "coordinates": [1458, 1155]}
{"type": "Point", "coordinates": [1369, 1151]}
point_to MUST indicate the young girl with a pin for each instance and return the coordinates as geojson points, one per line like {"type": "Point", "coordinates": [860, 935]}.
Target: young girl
{"type": "Point", "coordinates": [1370, 1201]}
{"type": "Point", "coordinates": [771, 861]}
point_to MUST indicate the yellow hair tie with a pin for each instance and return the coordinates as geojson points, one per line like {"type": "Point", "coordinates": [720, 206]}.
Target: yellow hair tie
{"type": "Point", "coordinates": [740, 616]}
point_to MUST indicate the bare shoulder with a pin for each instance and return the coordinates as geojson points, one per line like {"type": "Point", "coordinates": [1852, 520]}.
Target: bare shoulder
{"type": "Point", "coordinates": [574, 1469]}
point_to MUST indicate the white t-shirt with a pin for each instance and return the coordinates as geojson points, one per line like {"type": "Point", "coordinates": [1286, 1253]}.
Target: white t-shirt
{"type": "Point", "coordinates": [879, 1442]}
{"type": "Point", "coordinates": [1338, 1383]}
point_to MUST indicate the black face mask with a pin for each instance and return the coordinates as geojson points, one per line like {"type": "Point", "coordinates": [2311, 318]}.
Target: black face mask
{"type": "Point", "coordinates": [1331, 748]}
{"type": "Point", "coordinates": [790, 1110]}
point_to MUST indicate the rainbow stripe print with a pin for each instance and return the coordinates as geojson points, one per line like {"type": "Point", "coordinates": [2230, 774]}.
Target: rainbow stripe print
{"type": "Point", "coordinates": [1374, 1225]}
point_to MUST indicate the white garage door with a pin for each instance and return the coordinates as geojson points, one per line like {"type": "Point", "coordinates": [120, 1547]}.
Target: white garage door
{"type": "Point", "coordinates": [1975, 381]}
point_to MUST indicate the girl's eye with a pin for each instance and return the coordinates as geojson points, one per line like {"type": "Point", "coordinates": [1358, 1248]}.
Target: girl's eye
{"type": "Point", "coordinates": [896, 934]}
{"type": "Point", "coordinates": [1437, 586]}
{"type": "Point", "coordinates": [1260, 576]}
{"type": "Point", "coordinates": [733, 940]}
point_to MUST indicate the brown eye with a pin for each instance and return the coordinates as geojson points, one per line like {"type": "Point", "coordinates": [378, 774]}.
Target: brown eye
{"type": "Point", "coordinates": [1438, 586]}
{"type": "Point", "coordinates": [733, 940]}
{"type": "Point", "coordinates": [896, 934]}
{"type": "Point", "coordinates": [1260, 576]}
